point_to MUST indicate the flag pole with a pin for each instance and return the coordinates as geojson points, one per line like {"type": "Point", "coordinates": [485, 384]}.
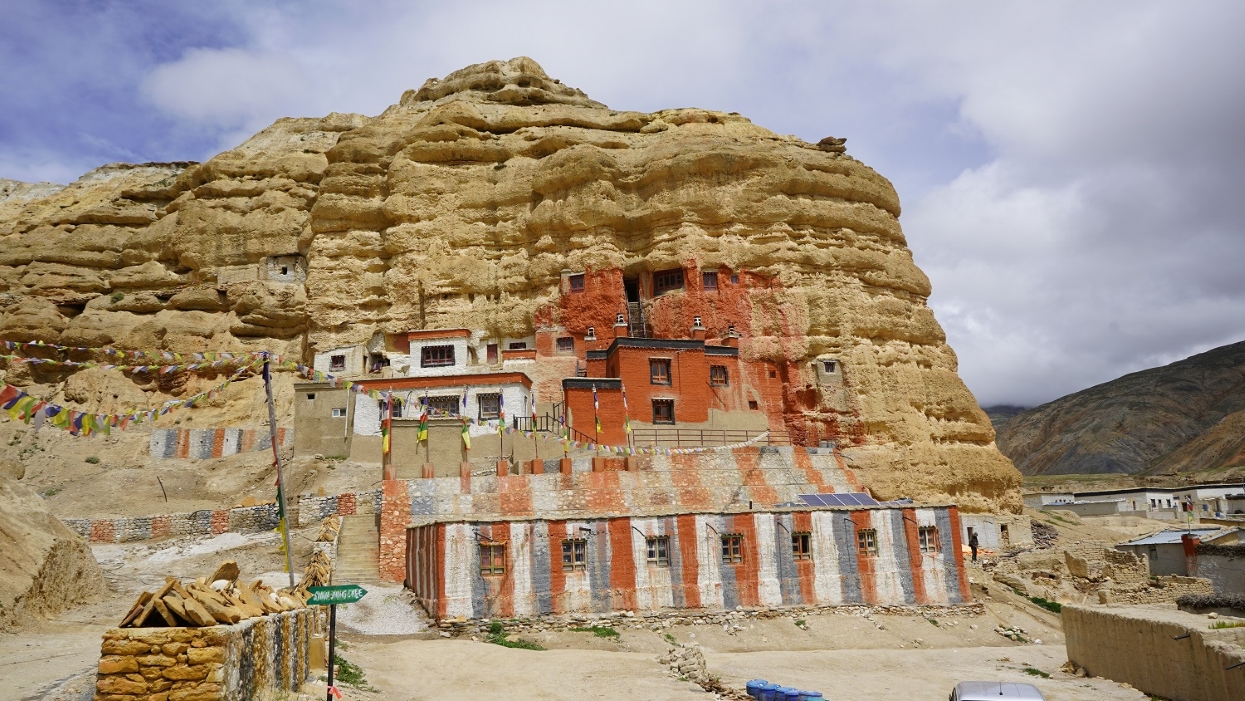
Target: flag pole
{"type": "Point", "coordinates": [276, 455]}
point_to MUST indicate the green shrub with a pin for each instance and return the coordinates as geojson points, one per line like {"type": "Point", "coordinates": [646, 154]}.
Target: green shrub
{"type": "Point", "coordinates": [1052, 606]}
{"type": "Point", "coordinates": [599, 631]}
{"type": "Point", "coordinates": [117, 297]}
{"type": "Point", "coordinates": [1036, 673]}
{"type": "Point", "coordinates": [94, 460]}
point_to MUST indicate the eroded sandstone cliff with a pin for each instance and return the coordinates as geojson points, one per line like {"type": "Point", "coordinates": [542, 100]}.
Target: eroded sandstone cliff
{"type": "Point", "coordinates": [461, 205]}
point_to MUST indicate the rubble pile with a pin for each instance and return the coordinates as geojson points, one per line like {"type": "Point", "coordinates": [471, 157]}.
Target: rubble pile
{"type": "Point", "coordinates": [221, 599]}
{"type": "Point", "coordinates": [687, 662]}
{"type": "Point", "coordinates": [1044, 534]}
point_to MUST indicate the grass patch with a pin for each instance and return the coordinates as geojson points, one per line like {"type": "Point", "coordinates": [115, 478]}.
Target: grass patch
{"type": "Point", "coordinates": [93, 459]}
{"type": "Point", "coordinates": [934, 621]}
{"type": "Point", "coordinates": [497, 635]}
{"type": "Point", "coordinates": [1052, 606]}
{"type": "Point", "coordinates": [51, 491]}
{"type": "Point", "coordinates": [1036, 673]}
{"type": "Point", "coordinates": [670, 639]}
{"type": "Point", "coordinates": [1220, 625]}
{"type": "Point", "coordinates": [117, 297]}
{"type": "Point", "coordinates": [599, 631]}
{"type": "Point", "coordinates": [349, 674]}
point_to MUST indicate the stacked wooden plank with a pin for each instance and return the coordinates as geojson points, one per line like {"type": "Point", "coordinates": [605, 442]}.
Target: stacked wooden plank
{"type": "Point", "coordinates": [330, 527]}
{"type": "Point", "coordinates": [319, 572]}
{"type": "Point", "coordinates": [222, 598]}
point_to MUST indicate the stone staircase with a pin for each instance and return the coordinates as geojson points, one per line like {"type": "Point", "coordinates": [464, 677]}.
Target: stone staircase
{"type": "Point", "coordinates": [358, 550]}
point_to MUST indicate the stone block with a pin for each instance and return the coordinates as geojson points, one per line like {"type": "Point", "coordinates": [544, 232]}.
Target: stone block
{"type": "Point", "coordinates": [156, 661]}
{"type": "Point", "coordinates": [124, 647]}
{"type": "Point", "coordinates": [204, 655]}
{"type": "Point", "coordinates": [119, 685]}
{"type": "Point", "coordinates": [186, 673]}
{"type": "Point", "coordinates": [117, 664]}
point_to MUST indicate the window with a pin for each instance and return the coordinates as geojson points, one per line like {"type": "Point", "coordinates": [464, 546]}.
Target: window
{"type": "Point", "coordinates": [492, 558]}
{"type": "Point", "coordinates": [566, 344]}
{"type": "Point", "coordinates": [732, 548]}
{"type": "Point", "coordinates": [659, 371]}
{"type": "Point", "coordinates": [574, 554]}
{"type": "Point", "coordinates": [659, 550]}
{"type": "Point", "coordinates": [709, 281]}
{"type": "Point", "coordinates": [828, 366]}
{"type": "Point", "coordinates": [436, 356]}
{"type": "Point", "coordinates": [311, 395]}
{"type": "Point", "coordinates": [928, 537]}
{"type": "Point", "coordinates": [383, 407]}
{"type": "Point", "coordinates": [773, 373]}
{"type": "Point", "coordinates": [339, 413]}
{"type": "Point", "coordinates": [734, 279]}
{"type": "Point", "coordinates": [717, 376]}
{"type": "Point", "coordinates": [517, 345]}
{"type": "Point", "coordinates": [867, 541]}
{"type": "Point", "coordinates": [576, 283]}
{"type": "Point", "coordinates": [663, 411]}
{"type": "Point", "coordinates": [337, 363]}
{"type": "Point", "coordinates": [490, 354]}
{"type": "Point", "coordinates": [752, 404]}
{"type": "Point", "coordinates": [1003, 534]}
{"type": "Point", "coordinates": [802, 546]}
{"type": "Point", "coordinates": [444, 405]}
{"type": "Point", "coordinates": [490, 406]}
{"type": "Point", "coordinates": [667, 280]}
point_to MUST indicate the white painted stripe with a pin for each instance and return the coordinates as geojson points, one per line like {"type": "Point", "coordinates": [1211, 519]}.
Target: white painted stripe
{"type": "Point", "coordinates": [769, 591]}
{"type": "Point", "coordinates": [520, 551]}
{"type": "Point", "coordinates": [827, 582]}
{"type": "Point", "coordinates": [889, 586]}
{"type": "Point", "coordinates": [458, 569]}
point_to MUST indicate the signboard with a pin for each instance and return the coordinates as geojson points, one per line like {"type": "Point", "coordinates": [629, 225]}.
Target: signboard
{"type": "Point", "coordinates": [335, 594]}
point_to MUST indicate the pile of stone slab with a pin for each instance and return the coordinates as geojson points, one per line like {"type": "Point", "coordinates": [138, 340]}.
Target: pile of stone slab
{"type": "Point", "coordinates": [220, 599]}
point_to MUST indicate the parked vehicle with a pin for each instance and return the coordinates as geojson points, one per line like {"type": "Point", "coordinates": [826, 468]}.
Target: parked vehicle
{"type": "Point", "coordinates": [995, 691]}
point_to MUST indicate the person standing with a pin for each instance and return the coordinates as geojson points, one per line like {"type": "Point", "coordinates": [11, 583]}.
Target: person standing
{"type": "Point", "coordinates": [972, 544]}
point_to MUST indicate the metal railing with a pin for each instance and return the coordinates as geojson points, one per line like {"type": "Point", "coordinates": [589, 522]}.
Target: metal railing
{"type": "Point", "coordinates": [693, 437]}
{"type": "Point", "coordinates": [548, 424]}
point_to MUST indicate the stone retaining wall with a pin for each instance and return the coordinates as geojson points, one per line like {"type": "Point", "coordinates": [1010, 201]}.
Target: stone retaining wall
{"type": "Point", "coordinates": [204, 443]}
{"type": "Point", "coordinates": [206, 664]}
{"type": "Point", "coordinates": [1159, 651]}
{"type": "Point", "coordinates": [313, 509]}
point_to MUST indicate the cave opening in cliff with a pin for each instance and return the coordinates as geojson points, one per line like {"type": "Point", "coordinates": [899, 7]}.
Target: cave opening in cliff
{"type": "Point", "coordinates": [631, 286]}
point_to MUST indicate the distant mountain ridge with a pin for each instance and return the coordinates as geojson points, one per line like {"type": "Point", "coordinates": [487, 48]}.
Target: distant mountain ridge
{"type": "Point", "coordinates": [1002, 413]}
{"type": "Point", "coordinates": [1188, 416]}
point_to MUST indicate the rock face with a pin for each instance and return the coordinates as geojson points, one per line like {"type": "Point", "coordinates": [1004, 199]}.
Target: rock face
{"type": "Point", "coordinates": [44, 567]}
{"type": "Point", "coordinates": [461, 205]}
{"type": "Point", "coordinates": [1185, 417]}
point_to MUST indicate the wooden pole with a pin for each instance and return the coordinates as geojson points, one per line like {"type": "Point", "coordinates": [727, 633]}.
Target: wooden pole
{"type": "Point", "coordinates": [276, 454]}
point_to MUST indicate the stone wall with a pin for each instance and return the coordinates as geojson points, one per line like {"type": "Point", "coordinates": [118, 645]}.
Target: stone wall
{"type": "Point", "coordinates": [312, 509]}
{"type": "Point", "coordinates": [205, 443]}
{"type": "Point", "coordinates": [1162, 652]}
{"type": "Point", "coordinates": [242, 519]}
{"type": "Point", "coordinates": [205, 664]}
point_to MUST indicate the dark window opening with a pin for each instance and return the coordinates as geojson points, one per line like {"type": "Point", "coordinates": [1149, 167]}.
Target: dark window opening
{"type": "Point", "coordinates": [709, 281]}
{"type": "Point", "coordinates": [490, 353]}
{"type": "Point", "coordinates": [436, 356]}
{"type": "Point", "coordinates": [659, 371]}
{"type": "Point", "coordinates": [311, 395]}
{"type": "Point", "coordinates": [867, 541]}
{"type": "Point", "coordinates": [802, 546]}
{"type": "Point", "coordinates": [773, 373]}
{"type": "Point", "coordinates": [663, 411]}
{"type": "Point", "coordinates": [492, 559]}
{"type": "Point", "coordinates": [285, 270]}
{"type": "Point", "coordinates": [490, 406]}
{"type": "Point", "coordinates": [828, 365]}
{"type": "Point", "coordinates": [574, 554]}
{"type": "Point", "coordinates": [732, 548]}
{"type": "Point", "coordinates": [444, 405]}
{"type": "Point", "coordinates": [717, 376]}
{"type": "Point", "coordinates": [752, 404]}
{"type": "Point", "coordinates": [734, 279]}
{"type": "Point", "coordinates": [658, 550]}
{"type": "Point", "coordinates": [576, 283]}
{"type": "Point", "coordinates": [337, 363]}
{"type": "Point", "coordinates": [667, 280]}
{"type": "Point", "coordinates": [632, 288]}
{"type": "Point", "coordinates": [566, 344]}
{"type": "Point", "coordinates": [928, 538]}
{"type": "Point", "coordinates": [517, 345]}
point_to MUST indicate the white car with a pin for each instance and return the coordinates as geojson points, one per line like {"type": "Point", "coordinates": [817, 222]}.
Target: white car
{"type": "Point", "coordinates": [995, 691]}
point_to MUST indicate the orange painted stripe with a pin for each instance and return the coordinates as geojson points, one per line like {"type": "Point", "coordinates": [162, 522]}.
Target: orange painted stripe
{"type": "Point", "coordinates": [688, 540]}
{"type": "Point", "coordinates": [864, 563]}
{"type": "Point", "coordinates": [514, 495]}
{"type": "Point", "coordinates": [622, 564]}
{"type": "Point", "coordinates": [557, 578]}
{"type": "Point", "coordinates": [916, 559]}
{"type": "Point", "coordinates": [804, 461]}
{"type": "Point", "coordinates": [604, 492]}
{"type": "Point", "coordinates": [503, 604]}
{"type": "Point", "coordinates": [491, 378]}
{"type": "Point", "coordinates": [803, 522]}
{"type": "Point", "coordinates": [958, 553]}
{"type": "Point", "coordinates": [753, 476]}
{"type": "Point", "coordinates": [218, 442]}
{"type": "Point", "coordinates": [439, 567]}
{"type": "Point", "coordinates": [847, 472]}
{"type": "Point", "coordinates": [685, 478]}
{"type": "Point", "coordinates": [748, 572]}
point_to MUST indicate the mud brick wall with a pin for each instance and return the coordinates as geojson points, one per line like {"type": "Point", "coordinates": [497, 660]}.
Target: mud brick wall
{"type": "Point", "coordinates": [1139, 646]}
{"type": "Point", "coordinates": [204, 443]}
{"type": "Point", "coordinates": [313, 509]}
{"type": "Point", "coordinates": [206, 664]}
{"type": "Point", "coordinates": [243, 519]}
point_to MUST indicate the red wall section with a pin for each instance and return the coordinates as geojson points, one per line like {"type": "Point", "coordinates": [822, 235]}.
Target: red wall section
{"type": "Point", "coordinates": [622, 564]}
{"type": "Point", "coordinates": [915, 558]}
{"type": "Point", "coordinates": [579, 401]}
{"type": "Point", "coordinates": [868, 575]}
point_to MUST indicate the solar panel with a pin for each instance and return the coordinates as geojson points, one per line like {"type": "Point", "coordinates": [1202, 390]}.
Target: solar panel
{"type": "Point", "coordinates": [839, 499]}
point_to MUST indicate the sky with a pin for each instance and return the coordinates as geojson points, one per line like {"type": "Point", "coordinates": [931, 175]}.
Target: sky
{"type": "Point", "coordinates": [1072, 174]}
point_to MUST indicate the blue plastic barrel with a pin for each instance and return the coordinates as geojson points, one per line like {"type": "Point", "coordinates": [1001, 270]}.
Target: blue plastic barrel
{"type": "Point", "coordinates": [754, 687]}
{"type": "Point", "coordinates": [784, 693]}
{"type": "Point", "coordinates": [768, 692]}
{"type": "Point", "coordinates": [811, 696]}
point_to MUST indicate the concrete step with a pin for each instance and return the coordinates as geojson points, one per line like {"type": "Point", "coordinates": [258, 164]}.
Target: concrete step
{"type": "Point", "coordinates": [358, 549]}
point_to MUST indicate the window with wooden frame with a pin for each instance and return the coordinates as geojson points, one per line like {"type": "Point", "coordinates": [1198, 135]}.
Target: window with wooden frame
{"type": "Point", "coordinates": [490, 406]}
{"type": "Point", "coordinates": [566, 345]}
{"type": "Point", "coordinates": [718, 376]}
{"type": "Point", "coordinates": [436, 356]}
{"type": "Point", "coordinates": [928, 538]}
{"type": "Point", "coordinates": [576, 283]}
{"type": "Point", "coordinates": [383, 406]}
{"type": "Point", "coordinates": [659, 371]}
{"type": "Point", "coordinates": [732, 548]}
{"type": "Point", "coordinates": [517, 345]}
{"type": "Point", "coordinates": [337, 363]}
{"type": "Point", "coordinates": [867, 541]}
{"type": "Point", "coordinates": [574, 554]}
{"type": "Point", "coordinates": [709, 281]}
{"type": "Point", "coordinates": [492, 558]}
{"type": "Point", "coordinates": [658, 550]}
{"type": "Point", "coordinates": [444, 404]}
{"type": "Point", "coordinates": [667, 280]}
{"type": "Point", "coordinates": [802, 546]}
{"type": "Point", "coordinates": [663, 411]}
